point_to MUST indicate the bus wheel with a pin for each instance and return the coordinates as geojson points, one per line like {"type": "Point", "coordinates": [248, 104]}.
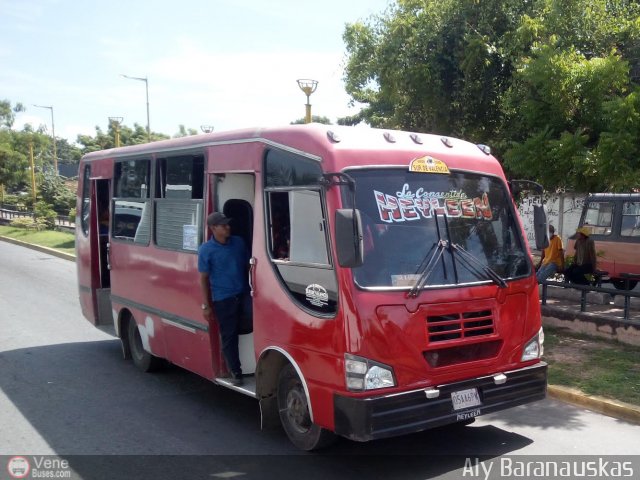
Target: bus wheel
{"type": "Point", "coordinates": [141, 358]}
{"type": "Point", "coordinates": [294, 413]}
{"type": "Point", "coordinates": [622, 284]}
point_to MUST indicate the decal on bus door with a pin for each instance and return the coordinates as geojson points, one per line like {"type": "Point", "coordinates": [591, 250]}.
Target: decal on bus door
{"type": "Point", "coordinates": [317, 295]}
{"type": "Point", "coordinates": [406, 206]}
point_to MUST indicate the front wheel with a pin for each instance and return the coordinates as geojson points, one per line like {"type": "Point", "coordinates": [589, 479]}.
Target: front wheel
{"type": "Point", "coordinates": [622, 284]}
{"type": "Point", "coordinates": [141, 358]}
{"type": "Point", "coordinates": [294, 413]}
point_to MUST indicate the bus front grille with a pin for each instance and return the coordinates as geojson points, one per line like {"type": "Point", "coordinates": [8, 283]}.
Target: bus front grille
{"type": "Point", "coordinates": [456, 326]}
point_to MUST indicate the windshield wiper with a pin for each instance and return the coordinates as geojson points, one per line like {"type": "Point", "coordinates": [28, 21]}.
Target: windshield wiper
{"type": "Point", "coordinates": [469, 258]}
{"type": "Point", "coordinates": [426, 267]}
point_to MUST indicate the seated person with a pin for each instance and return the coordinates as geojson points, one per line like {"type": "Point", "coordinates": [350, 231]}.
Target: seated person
{"type": "Point", "coordinates": [584, 259]}
{"type": "Point", "coordinates": [552, 260]}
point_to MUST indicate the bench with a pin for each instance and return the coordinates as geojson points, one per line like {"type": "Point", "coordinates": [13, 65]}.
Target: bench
{"type": "Point", "coordinates": [599, 276]}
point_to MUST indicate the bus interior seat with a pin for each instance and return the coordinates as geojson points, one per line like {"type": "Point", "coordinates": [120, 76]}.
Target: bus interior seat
{"type": "Point", "coordinates": [241, 214]}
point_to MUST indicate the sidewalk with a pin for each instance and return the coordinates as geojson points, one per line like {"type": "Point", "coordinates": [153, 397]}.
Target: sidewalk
{"type": "Point", "coordinates": [605, 320]}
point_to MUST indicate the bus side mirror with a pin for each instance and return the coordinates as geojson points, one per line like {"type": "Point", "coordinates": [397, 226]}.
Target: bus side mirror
{"type": "Point", "coordinates": [540, 227]}
{"type": "Point", "coordinates": [349, 245]}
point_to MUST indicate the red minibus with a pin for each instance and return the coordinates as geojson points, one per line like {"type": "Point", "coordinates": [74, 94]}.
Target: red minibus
{"type": "Point", "coordinates": [393, 289]}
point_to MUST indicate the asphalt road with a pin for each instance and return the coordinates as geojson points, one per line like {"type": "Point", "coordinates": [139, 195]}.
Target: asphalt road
{"type": "Point", "coordinates": [66, 391]}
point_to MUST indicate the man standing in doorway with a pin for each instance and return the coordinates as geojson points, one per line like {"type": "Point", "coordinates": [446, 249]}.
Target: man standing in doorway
{"type": "Point", "coordinates": [223, 265]}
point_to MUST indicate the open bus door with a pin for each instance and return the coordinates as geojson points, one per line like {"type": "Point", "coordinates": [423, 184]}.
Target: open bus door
{"type": "Point", "coordinates": [92, 244]}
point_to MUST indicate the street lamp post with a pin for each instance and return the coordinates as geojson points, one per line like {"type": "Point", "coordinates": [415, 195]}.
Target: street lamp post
{"type": "Point", "coordinates": [53, 135]}
{"type": "Point", "coordinates": [146, 84]}
{"type": "Point", "coordinates": [116, 121]}
{"type": "Point", "coordinates": [308, 86]}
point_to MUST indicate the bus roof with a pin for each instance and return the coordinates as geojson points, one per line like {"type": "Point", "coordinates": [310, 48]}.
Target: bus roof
{"type": "Point", "coordinates": [319, 139]}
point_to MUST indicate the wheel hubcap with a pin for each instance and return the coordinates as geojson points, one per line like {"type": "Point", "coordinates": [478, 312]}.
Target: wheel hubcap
{"type": "Point", "coordinates": [297, 410]}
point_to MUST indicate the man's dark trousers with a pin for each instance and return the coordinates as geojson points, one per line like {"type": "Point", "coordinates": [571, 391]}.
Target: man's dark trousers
{"type": "Point", "coordinates": [228, 313]}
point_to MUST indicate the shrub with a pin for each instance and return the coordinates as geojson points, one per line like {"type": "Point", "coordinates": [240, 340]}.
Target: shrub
{"type": "Point", "coordinates": [26, 222]}
{"type": "Point", "coordinates": [44, 213]}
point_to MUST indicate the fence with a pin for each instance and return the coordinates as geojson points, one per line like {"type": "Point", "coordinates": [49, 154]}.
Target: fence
{"type": "Point", "coordinates": [6, 215]}
{"type": "Point", "coordinates": [585, 289]}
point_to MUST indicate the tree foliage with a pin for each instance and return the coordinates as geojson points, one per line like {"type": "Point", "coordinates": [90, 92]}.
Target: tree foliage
{"type": "Point", "coordinates": [551, 84]}
{"type": "Point", "coordinates": [314, 119]}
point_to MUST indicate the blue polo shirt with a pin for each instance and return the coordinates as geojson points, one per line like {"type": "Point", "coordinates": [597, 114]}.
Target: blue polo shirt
{"type": "Point", "coordinates": [226, 264]}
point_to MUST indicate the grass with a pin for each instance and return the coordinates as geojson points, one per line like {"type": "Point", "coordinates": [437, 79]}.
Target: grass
{"type": "Point", "coordinates": [63, 241]}
{"type": "Point", "coordinates": [594, 366]}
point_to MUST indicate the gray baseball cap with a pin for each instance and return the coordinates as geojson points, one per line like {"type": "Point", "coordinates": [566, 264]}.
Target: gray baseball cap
{"type": "Point", "coordinates": [217, 218]}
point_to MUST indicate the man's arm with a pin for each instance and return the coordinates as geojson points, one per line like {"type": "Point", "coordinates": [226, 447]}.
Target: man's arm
{"type": "Point", "coordinates": [205, 290]}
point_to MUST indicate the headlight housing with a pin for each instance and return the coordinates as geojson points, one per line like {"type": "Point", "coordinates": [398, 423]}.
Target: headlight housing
{"type": "Point", "coordinates": [362, 374]}
{"type": "Point", "coordinates": [534, 348]}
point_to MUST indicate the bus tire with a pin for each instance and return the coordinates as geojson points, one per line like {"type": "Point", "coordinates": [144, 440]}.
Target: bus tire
{"type": "Point", "coordinates": [141, 358]}
{"type": "Point", "coordinates": [622, 284]}
{"type": "Point", "coordinates": [295, 416]}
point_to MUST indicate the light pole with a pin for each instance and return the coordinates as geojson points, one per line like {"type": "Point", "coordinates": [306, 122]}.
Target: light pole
{"type": "Point", "coordinates": [146, 85]}
{"type": "Point", "coordinates": [53, 135]}
{"type": "Point", "coordinates": [116, 121]}
{"type": "Point", "coordinates": [308, 86]}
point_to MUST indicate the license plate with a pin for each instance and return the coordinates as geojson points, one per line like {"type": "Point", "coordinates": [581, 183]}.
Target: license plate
{"type": "Point", "coordinates": [465, 399]}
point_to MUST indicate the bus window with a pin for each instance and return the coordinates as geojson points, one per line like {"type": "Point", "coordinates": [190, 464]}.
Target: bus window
{"type": "Point", "coordinates": [599, 217]}
{"type": "Point", "coordinates": [297, 233]}
{"type": "Point", "coordinates": [630, 219]}
{"type": "Point", "coordinates": [178, 202]}
{"type": "Point", "coordinates": [131, 218]}
{"type": "Point", "coordinates": [86, 183]}
{"type": "Point", "coordinates": [308, 238]}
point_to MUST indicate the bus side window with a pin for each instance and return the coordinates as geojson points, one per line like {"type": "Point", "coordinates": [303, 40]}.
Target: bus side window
{"type": "Point", "coordinates": [599, 217]}
{"type": "Point", "coordinates": [132, 212]}
{"type": "Point", "coordinates": [630, 219]}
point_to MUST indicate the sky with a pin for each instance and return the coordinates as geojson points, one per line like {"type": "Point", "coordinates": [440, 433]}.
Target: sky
{"type": "Point", "coordinates": [222, 63]}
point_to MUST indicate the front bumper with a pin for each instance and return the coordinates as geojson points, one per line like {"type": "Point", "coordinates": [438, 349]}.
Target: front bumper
{"type": "Point", "coordinates": [363, 419]}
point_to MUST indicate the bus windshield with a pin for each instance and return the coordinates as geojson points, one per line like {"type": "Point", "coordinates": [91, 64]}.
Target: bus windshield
{"type": "Point", "coordinates": [435, 230]}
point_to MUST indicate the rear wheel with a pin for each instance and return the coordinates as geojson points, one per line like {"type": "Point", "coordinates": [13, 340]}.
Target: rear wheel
{"type": "Point", "coordinates": [141, 358]}
{"type": "Point", "coordinates": [294, 413]}
{"type": "Point", "coordinates": [622, 284]}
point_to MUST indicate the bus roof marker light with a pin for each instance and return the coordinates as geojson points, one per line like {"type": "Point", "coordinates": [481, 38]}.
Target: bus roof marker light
{"type": "Point", "coordinates": [485, 148]}
{"type": "Point", "coordinates": [416, 138]}
{"type": "Point", "coordinates": [388, 136]}
{"type": "Point", "coordinates": [333, 136]}
{"type": "Point", "coordinates": [447, 142]}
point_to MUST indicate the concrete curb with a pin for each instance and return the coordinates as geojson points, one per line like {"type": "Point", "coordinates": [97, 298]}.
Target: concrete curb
{"type": "Point", "coordinates": [620, 410]}
{"type": "Point", "coordinates": [50, 251]}
{"type": "Point", "coordinates": [612, 408]}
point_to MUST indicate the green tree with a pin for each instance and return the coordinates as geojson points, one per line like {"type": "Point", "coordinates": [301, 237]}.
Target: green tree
{"type": "Point", "coordinates": [105, 140]}
{"type": "Point", "coordinates": [433, 65]}
{"type": "Point", "coordinates": [568, 115]}
{"type": "Point", "coordinates": [185, 132]}
{"type": "Point", "coordinates": [550, 84]}
{"type": "Point", "coordinates": [314, 119]}
{"type": "Point", "coordinates": [55, 193]}
{"type": "Point", "coordinates": [7, 113]}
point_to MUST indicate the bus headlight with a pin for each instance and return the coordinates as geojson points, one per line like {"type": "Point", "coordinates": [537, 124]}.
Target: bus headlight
{"type": "Point", "coordinates": [364, 374]}
{"type": "Point", "coordinates": [534, 347]}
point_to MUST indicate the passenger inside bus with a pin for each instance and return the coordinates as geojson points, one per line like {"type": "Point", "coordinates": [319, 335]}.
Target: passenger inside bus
{"type": "Point", "coordinates": [280, 226]}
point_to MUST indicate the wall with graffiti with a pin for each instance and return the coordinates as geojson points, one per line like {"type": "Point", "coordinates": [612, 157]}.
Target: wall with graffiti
{"type": "Point", "coordinates": [563, 212]}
